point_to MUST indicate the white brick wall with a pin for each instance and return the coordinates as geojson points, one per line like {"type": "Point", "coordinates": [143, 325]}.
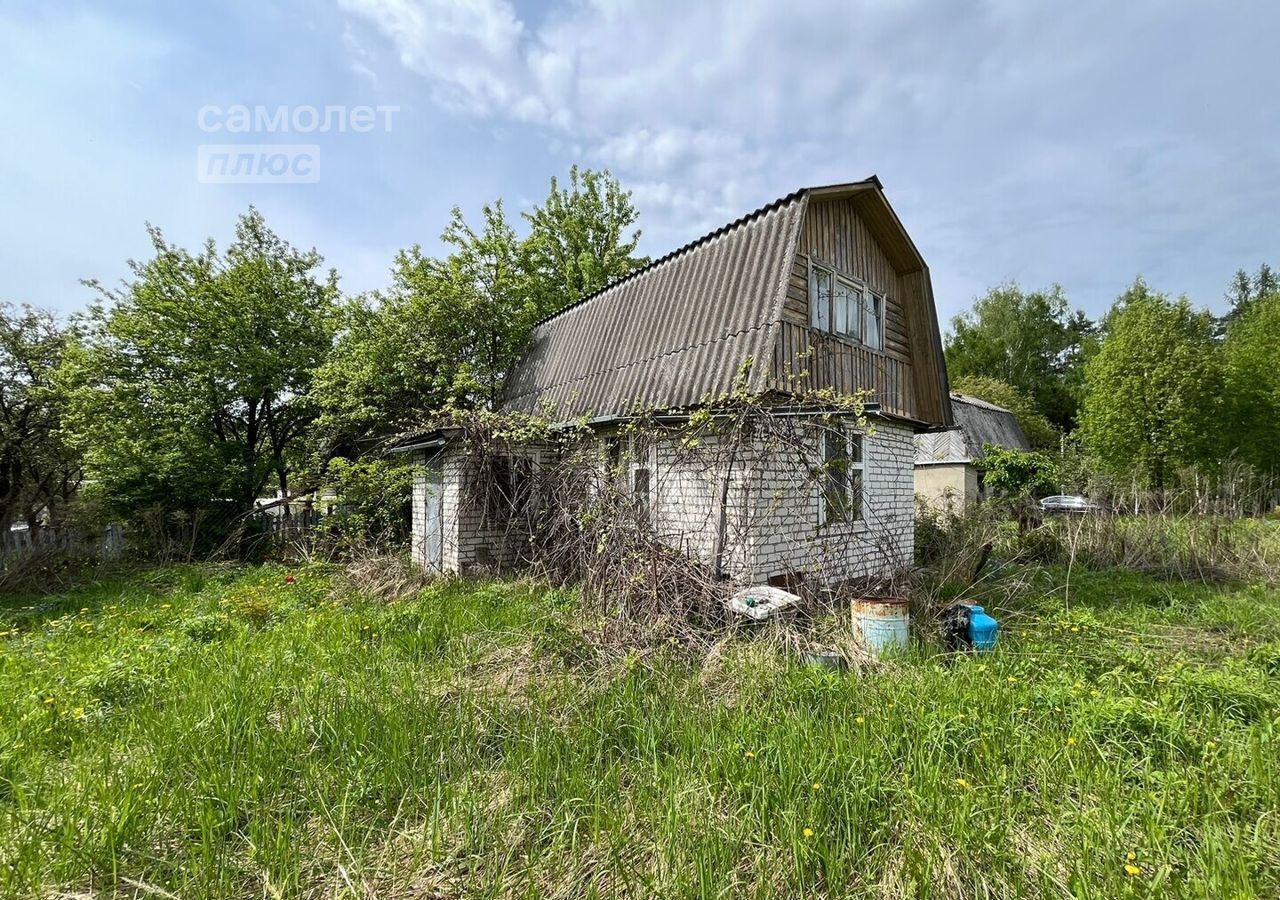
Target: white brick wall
{"type": "Point", "coordinates": [781, 520]}
{"type": "Point", "coordinates": [772, 511]}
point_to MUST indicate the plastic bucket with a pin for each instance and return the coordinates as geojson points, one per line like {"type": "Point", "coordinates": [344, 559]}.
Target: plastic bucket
{"type": "Point", "coordinates": [882, 623]}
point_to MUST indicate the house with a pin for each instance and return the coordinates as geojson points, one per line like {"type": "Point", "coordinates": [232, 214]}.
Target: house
{"type": "Point", "coordinates": [821, 292]}
{"type": "Point", "coordinates": [947, 475]}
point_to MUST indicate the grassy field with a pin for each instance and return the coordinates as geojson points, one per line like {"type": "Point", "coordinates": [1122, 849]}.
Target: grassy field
{"type": "Point", "coordinates": [266, 732]}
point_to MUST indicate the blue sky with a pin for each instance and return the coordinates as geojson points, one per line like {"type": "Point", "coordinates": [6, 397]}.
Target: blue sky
{"type": "Point", "coordinates": [1083, 143]}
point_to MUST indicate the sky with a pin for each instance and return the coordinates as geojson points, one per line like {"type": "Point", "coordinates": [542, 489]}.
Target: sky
{"type": "Point", "coordinates": [1082, 143]}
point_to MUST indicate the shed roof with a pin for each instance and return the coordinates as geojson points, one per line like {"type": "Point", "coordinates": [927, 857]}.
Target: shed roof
{"type": "Point", "coordinates": [978, 423]}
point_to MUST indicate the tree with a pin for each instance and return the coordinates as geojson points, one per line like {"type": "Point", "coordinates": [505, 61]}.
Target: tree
{"type": "Point", "coordinates": [1265, 282]}
{"type": "Point", "coordinates": [1251, 355]}
{"type": "Point", "coordinates": [38, 468]}
{"type": "Point", "coordinates": [1244, 290]}
{"type": "Point", "coordinates": [1040, 433]}
{"type": "Point", "coordinates": [578, 240]}
{"type": "Point", "coordinates": [193, 385]}
{"type": "Point", "coordinates": [1031, 341]}
{"type": "Point", "coordinates": [1154, 388]}
{"type": "Point", "coordinates": [497, 304]}
{"type": "Point", "coordinates": [448, 331]}
{"type": "Point", "coordinates": [396, 360]}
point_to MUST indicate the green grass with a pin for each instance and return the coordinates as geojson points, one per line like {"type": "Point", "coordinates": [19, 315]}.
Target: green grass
{"type": "Point", "coordinates": [222, 733]}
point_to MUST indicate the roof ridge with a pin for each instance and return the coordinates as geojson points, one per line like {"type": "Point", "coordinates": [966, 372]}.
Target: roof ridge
{"type": "Point", "coordinates": [679, 251]}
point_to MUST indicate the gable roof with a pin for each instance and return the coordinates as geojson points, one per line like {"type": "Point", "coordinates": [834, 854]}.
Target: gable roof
{"type": "Point", "coordinates": [682, 328]}
{"type": "Point", "coordinates": [978, 423]}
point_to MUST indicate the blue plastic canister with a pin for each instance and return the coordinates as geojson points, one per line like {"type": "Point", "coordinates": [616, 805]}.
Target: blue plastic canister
{"type": "Point", "coordinates": [982, 628]}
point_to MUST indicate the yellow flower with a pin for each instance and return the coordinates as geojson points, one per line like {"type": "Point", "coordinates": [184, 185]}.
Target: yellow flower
{"type": "Point", "coordinates": [808, 833]}
{"type": "Point", "coordinates": [1079, 685]}
{"type": "Point", "coordinates": [1023, 709]}
{"type": "Point", "coordinates": [960, 782]}
{"type": "Point", "coordinates": [1131, 856]}
{"type": "Point", "coordinates": [1210, 744]}
{"type": "Point", "coordinates": [859, 720]}
{"type": "Point", "coordinates": [749, 755]}
{"type": "Point", "coordinates": [1132, 869]}
{"type": "Point", "coordinates": [817, 785]}
{"type": "Point", "coordinates": [1095, 694]}
{"type": "Point", "coordinates": [1071, 742]}
{"type": "Point", "coordinates": [1075, 629]}
{"type": "Point", "coordinates": [1011, 680]}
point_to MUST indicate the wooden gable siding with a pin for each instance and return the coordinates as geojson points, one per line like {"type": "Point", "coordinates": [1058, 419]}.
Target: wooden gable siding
{"type": "Point", "coordinates": [836, 234]}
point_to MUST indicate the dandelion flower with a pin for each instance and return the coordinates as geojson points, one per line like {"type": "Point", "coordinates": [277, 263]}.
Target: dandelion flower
{"type": "Point", "coordinates": [860, 720]}
{"type": "Point", "coordinates": [1132, 869]}
{"type": "Point", "coordinates": [817, 785]}
{"type": "Point", "coordinates": [960, 782]}
{"type": "Point", "coordinates": [749, 755]}
{"type": "Point", "coordinates": [1075, 629]}
{"type": "Point", "coordinates": [1131, 856]}
{"type": "Point", "coordinates": [1011, 680]}
{"type": "Point", "coordinates": [1095, 693]}
{"type": "Point", "coordinates": [808, 833]}
{"type": "Point", "coordinates": [1071, 742]}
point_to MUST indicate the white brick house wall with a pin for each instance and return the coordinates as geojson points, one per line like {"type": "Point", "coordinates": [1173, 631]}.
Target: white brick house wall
{"type": "Point", "coordinates": [772, 511]}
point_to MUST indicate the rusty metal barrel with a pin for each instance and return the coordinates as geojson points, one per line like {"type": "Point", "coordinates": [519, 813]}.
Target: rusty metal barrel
{"type": "Point", "coordinates": [883, 623]}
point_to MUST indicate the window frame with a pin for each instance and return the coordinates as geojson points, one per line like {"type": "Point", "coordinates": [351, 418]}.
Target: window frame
{"type": "Point", "coordinates": [853, 479]}
{"type": "Point", "coordinates": [641, 457]}
{"type": "Point", "coordinates": [871, 305]}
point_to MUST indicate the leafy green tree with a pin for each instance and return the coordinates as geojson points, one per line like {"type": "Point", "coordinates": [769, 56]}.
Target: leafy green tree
{"type": "Point", "coordinates": [396, 361]}
{"type": "Point", "coordinates": [1039, 432]}
{"type": "Point", "coordinates": [1154, 388]}
{"type": "Point", "coordinates": [578, 240]}
{"type": "Point", "coordinates": [1030, 340]}
{"type": "Point", "coordinates": [497, 304]}
{"type": "Point", "coordinates": [193, 383]}
{"type": "Point", "coordinates": [1251, 355]}
{"type": "Point", "coordinates": [39, 470]}
{"type": "Point", "coordinates": [448, 331]}
{"type": "Point", "coordinates": [1012, 474]}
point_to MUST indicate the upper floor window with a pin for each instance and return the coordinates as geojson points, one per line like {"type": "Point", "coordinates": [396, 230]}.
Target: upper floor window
{"type": "Point", "coordinates": [844, 306]}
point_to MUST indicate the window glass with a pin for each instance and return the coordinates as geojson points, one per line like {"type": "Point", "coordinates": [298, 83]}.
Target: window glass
{"type": "Point", "coordinates": [853, 303]}
{"type": "Point", "coordinates": [640, 492]}
{"type": "Point", "coordinates": [840, 309]}
{"type": "Point", "coordinates": [820, 299]}
{"type": "Point", "coordinates": [855, 478]}
{"type": "Point", "coordinates": [875, 320]}
{"type": "Point", "coordinates": [835, 476]}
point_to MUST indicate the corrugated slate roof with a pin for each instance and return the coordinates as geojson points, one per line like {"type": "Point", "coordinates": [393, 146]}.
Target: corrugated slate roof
{"type": "Point", "coordinates": [977, 423]}
{"type": "Point", "coordinates": [672, 333]}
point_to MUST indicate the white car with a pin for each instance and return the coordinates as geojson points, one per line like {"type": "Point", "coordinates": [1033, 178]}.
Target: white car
{"type": "Point", "coordinates": [1072, 503]}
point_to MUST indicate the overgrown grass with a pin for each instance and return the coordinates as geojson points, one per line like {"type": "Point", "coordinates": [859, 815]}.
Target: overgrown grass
{"type": "Point", "coordinates": [223, 732]}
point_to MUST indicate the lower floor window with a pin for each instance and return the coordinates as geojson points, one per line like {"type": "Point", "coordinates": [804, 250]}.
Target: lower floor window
{"type": "Point", "coordinates": [840, 499]}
